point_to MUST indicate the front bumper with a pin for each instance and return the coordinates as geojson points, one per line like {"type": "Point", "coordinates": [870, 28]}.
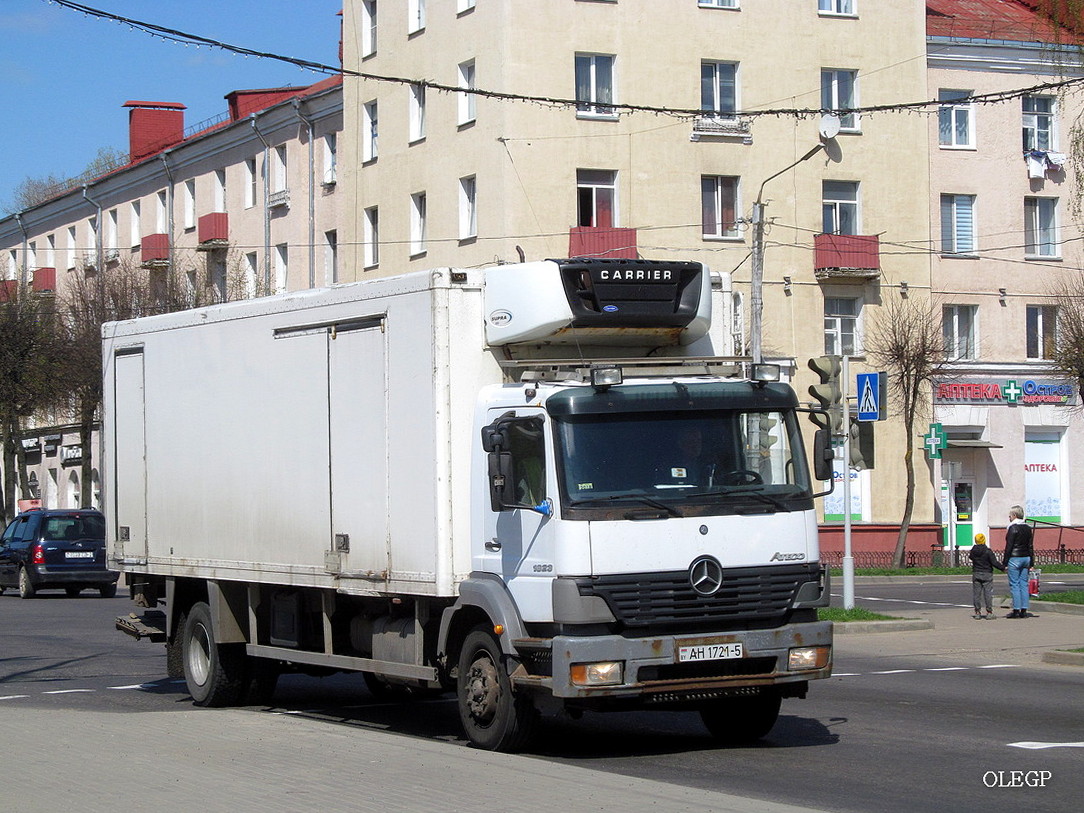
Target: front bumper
{"type": "Point", "coordinates": [653, 675]}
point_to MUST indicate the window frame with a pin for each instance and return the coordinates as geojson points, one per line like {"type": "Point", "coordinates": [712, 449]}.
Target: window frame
{"type": "Point", "coordinates": [1036, 236]}
{"type": "Point", "coordinates": [835, 333]}
{"type": "Point", "coordinates": [368, 28]}
{"type": "Point", "coordinates": [466, 107]}
{"type": "Point", "coordinates": [831, 97]}
{"type": "Point", "coordinates": [416, 103]}
{"type": "Point", "coordinates": [251, 182]}
{"type": "Point", "coordinates": [586, 186]}
{"type": "Point", "coordinates": [331, 256]}
{"type": "Point", "coordinates": [331, 159]}
{"type": "Point", "coordinates": [418, 224]}
{"type": "Point", "coordinates": [951, 242]}
{"type": "Point", "coordinates": [415, 16]}
{"type": "Point", "coordinates": [839, 206]}
{"type": "Point", "coordinates": [593, 105]}
{"type": "Point", "coordinates": [954, 339]}
{"type": "Point", "coordinates": [713, 185]}
{"type": "Point", "coordinates": [370, 225]}
{"type": "Point", "coordinates": [727, 4]}
{"type": "Point", "coordinates": [370, 120]}
{"type": "Point", "coordinates": [717, 109]}
{"type": "Point", "coordinates": [1040, 332]}
{"type": "Point", "coordinates": [948, 111]}
{"type": "Point", "coordinates": [468, 207]}
{"type": "Point", "coordinates": [838, 9]}
{"type": "Point", "coordinates": [1032, 131]}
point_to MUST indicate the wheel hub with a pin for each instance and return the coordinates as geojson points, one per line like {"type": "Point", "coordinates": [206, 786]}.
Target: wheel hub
{"type": "Point", "coordinates": [483, 690]}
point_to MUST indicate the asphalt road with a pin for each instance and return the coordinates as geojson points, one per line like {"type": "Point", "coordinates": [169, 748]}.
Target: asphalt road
{"type": "Point", "coordinates": [909, 722]}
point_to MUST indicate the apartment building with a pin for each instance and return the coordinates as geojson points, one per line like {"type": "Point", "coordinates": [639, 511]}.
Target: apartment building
{"type": "Point", "coordinates": [439, 177]}
{"type": "Point", "coordinates": [239, 206]}
{"type": "Point", "coordinates": [1003, 233]}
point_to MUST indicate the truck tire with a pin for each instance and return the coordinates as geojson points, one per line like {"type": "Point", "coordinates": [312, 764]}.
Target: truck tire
{"type": "Point", "coordinates": [26, 587]}
{"type": "Point", "coordinates": [493, 716]}
{"type": "Point", "coordinates": [215, 673]}
{"type": "Point", "coordinates": [741, 720]}
{"type": "Point", "coordinates": [175, 649]}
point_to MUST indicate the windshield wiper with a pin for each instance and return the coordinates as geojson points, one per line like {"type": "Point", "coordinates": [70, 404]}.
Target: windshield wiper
{"type": "Point", "coordinates": [640, 498]}
{"type": "Point", "coordinates": [741, 491]}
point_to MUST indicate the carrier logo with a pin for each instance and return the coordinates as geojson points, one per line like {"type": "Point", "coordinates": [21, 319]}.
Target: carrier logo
{"type": "Point", "coordinates": [706, 575]}
{"type": "Point", "coordinates": [786, 557]}
{"type": "Point", "coordinates": [636, 275]}
{"type": "Point", "coordinates": [500, 318]}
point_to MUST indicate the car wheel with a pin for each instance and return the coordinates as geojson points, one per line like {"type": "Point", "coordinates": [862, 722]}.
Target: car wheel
{"type": "Point", "coordinates": [108, 590]}
{"type": "Point", "coordinates": [215, 673]}
{"type": "Point", "coordinates": [26, 589]}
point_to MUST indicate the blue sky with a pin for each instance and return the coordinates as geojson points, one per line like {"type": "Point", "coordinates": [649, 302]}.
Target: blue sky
{"type": "Point", "coordinates": [64, 76]}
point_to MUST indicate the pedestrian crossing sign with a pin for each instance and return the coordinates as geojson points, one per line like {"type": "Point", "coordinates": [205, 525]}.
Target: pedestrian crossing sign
{"type": "Point", "coordinates": [869, 397]}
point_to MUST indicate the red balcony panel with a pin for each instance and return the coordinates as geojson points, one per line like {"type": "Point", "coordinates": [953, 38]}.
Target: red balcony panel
{"type": "Point", "coordinates": [213, 227]}
{"type": "Point", "coordinates": [44, 280]}
{"type": "Point", "coordinates": [155, 248]}
{"type": "Point", "coordinates": [847, 251]}
{"type": "Point", "coordinates": [9, 290]}
{"type": "Point", "coordinates": [592, 241]}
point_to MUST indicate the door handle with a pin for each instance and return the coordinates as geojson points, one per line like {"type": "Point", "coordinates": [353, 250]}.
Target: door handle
{"type": "Point", "coordinates": [493, 545]}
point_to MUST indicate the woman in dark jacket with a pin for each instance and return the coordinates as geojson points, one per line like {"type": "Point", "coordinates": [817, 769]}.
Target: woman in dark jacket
{"type": "Point", "coordinates": [1019, 556]}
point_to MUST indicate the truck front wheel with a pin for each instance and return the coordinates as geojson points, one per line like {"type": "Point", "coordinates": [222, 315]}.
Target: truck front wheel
{"type": "Point", "coordinates": [740, 720]}
{"type": "Point", "coordinates": [493, 716]}
{"type": "Point", "coordinates": [215, 673]}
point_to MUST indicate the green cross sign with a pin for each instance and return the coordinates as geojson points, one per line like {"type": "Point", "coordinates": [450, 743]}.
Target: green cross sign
{"type": "Point", "coordinates": [1012, 392]}
{"type": "Point", "coordinates": [934, 441]}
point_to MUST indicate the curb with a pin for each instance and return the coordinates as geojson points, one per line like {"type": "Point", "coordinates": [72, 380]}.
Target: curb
{"type": "Point", "coordinates": [1057, 607]}
{"type": "Point", "coordinates": [1064, 658]}
{"type": "Point", "coordinates": [902, 625]}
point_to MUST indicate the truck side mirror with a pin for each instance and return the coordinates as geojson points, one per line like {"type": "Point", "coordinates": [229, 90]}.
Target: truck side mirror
{"type": "Point", "coordinates": [823, 455]}
{"type": "Point", "coordinates": [500, 480]}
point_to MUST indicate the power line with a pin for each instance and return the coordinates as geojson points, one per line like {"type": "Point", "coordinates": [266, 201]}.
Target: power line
{"type": "Point", "coordinates": [174, 35]}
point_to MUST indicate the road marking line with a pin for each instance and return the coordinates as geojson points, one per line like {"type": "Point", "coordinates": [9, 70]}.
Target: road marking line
{"type": "Point", "coordinates": [998, 666]}
{"type": "Point", "coordinates": [134, 686]}
{"type": "Point", "coordinates": [14, 697]}
{"type": "Point", "coordinates": [1037, 745]}
{"type": "Point", "coordinates": [846, 674]}
{"type": "Point", "coordinates": [946, 669]}
{"type": "Point", "coordinates": [68, 691]}
{"type": "Point", "coordinates": [893, 672]}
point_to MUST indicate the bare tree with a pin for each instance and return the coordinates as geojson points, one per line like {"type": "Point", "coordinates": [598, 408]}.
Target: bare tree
{"type": "Point", "coordinates": [32, 191]}
{"type": "Point", "coordinates": [906, 341]}
{"type": "Point", "coordinates": [1068, 355]}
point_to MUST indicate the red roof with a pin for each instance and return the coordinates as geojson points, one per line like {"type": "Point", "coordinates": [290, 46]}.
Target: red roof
{"type": "Point", "coordinates": [1011, 20]}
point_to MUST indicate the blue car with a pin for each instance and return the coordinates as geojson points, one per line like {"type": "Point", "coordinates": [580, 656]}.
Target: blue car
{"type": "Point", "coordinates": [61, 549]}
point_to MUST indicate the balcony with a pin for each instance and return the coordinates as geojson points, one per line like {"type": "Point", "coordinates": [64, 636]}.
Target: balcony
{"type": "Point", "coordinates": [842, 257]}
{"type": "Point", "coordinates": [154, 250]}
{"type": "Point", "coordinates": [280, 197]}
{"type": "Point", "coordinates": [44, 281]}
{"type": "Point", "coordinates": [213, 231]}
{"type": "Point", "coordinates": [592, 241]}
{"type": "Point", "coordinates": [720, 127]}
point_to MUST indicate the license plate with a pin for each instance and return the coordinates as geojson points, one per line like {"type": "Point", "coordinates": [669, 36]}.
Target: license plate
{"type": "Point", "coordinates": [78, 554]}
{"type": "Point", "coordinates": [709, 652]}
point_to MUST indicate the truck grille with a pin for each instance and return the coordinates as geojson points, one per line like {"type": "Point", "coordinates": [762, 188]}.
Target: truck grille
{"type": "Point", "coordinates": [747, 594]}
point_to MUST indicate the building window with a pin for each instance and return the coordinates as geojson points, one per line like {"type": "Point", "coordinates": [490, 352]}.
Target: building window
{"type": "Point", "coordinates": [596, 194]}
{"type": "Point", "coordinates": [188, 201]}
{"type": "Point", "coordinates": [368, 132]}
{"type": "Point", "coordinates": [841, 326]}
{"type": "Point", "coordinates": [594, 85]}
{"type": "Point", "coordinates": [836, 7]}
{"type": "Point", "coordinates": [250, 183]}
{"type": "Point", "coordinates": [31, 255]}
{"type": "Point", "coordinates": [719, 88]}
{"type": "Point", "coordinates": [463, 5]}
{"type": "Point", "coordinates": [93, 239]}
{"type": "Point", "coordinates": [282, 266]}
{"type": "Point", "coordinates": [13, 265]}
{"type": "Point", "coordinates": [71, 247]}
{"type": "Point", "coordinates": [160, 221]}
{"type": "Point", "coordinates": [135, 230]}
{"type": "Point", "coordinates": [717, 3]}
{"type": "Point", "coordinates": [331, 257]}
{"type": "Point", "coordinates": [50, 251]}
{"type": "Point", "coordinates": [220, 190]}
{"type": "Point", "coordinates": [468, 208]}
{"type": "Point", "coordinates": [719, 206]}
{"type": "Point", "coordinates": [417, 112]}
{"type": "Point", "coordinates": [955, 119]}
{"type": "Point", "coordinates": [279, 169]}
{"type": "Point", "coordinates": [1041, 227]}
{"type": "Point", "coordinates": [1038, 123]}
{"type": "Point", "coordinates": [839, 207]}
{"type": "Point", "coordinates": [958, 329]}
{"type": "Point", "coordinates": [371, 237]}
{"type": "Point", "coordinates": [466, 100]}
{"type": "Point", "coordinates": [1042, 322]}
{"type": "Point", "coordinates": [111, 229]}
{"type": "Point", "coordinates": [417, 224]}
{"type": "Point", "coordinates": [331, 159]}
{"type": "Point", "coordinates": [251, 271]}
{"type": "Point", "coordinates": [368, 28]}
{"type": "Point", "coordinates": [957, 224]}
{"type": "Point", "coordinates": [416, 16]}
{"type": "Point", "coordinates": [839, 93]}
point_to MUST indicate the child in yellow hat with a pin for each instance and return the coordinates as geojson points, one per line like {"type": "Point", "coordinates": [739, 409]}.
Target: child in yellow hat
{"type": "Point", "coordinates": [983, 562]}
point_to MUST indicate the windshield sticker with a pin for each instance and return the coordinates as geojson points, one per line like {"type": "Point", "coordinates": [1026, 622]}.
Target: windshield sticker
{"type": "Point", "coordinates": [585, 486]}
{"type": "Point", "coordinates": [679, 472]}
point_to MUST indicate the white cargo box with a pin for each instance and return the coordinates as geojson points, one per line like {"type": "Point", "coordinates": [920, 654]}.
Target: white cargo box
{"type": "Point", "coordinates": [303, 439]}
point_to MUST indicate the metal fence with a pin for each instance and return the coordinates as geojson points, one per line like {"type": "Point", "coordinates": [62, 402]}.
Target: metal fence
{"type": "Point", "coordinates": [941, 557]}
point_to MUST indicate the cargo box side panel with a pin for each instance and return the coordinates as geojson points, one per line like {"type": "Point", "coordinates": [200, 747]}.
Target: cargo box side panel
{"type": "Point", "coordinates": [128, 489]}
{"type": "Point", "coordinates": [237, 448]}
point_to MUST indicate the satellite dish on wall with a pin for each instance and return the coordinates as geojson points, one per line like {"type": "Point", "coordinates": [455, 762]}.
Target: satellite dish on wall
{"type": "Point", "coordinates": [829, 126]}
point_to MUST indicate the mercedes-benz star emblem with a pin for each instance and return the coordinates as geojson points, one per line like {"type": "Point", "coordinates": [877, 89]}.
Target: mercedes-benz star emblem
{"type": "Point", "coordinates": [706, 575]}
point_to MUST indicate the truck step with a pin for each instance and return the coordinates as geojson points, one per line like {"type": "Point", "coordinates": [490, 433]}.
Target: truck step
{"type": "Point", "coordinates": [152, 625]}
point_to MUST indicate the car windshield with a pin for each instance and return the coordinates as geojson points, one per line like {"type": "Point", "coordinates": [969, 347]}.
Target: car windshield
{"type": "Point", "coordinates": [67, 528]}
{"type": "Point", "coordinates": [709, 456]}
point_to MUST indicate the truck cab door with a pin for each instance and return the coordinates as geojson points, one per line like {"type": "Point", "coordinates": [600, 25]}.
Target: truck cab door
{"type": "Point", "coordinates": [518, 535]}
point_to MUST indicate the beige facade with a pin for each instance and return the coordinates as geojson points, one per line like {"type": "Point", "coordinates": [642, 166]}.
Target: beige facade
{"type": "Point", "coordinates": [540, 169]}
{"type": "Point", "coordinates": [1003, 233]}
{"type": "Point", "coordinates": [245, 206]}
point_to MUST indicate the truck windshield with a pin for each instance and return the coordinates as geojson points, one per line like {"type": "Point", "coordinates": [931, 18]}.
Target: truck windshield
{"type": "Point", "coordinates": [690, 462]}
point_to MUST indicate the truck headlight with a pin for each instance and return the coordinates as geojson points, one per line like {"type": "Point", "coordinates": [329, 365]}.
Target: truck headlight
{"type": "Point", "coordinates": [808, 657]}
{"type": "Point", "coordinates": [605, 673]}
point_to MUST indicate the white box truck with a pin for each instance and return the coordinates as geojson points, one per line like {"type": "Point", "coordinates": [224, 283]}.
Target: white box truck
{"type": "Point", "coordinates": [538, 485]}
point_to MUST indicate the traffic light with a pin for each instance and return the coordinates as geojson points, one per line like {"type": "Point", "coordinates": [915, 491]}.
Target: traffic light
{"type": "Point", "coordinates": [827, 393]}
{"type": "Point", "coordinates": [862, 445]}
{"type": "Point", "coordinates": [766, 438]}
